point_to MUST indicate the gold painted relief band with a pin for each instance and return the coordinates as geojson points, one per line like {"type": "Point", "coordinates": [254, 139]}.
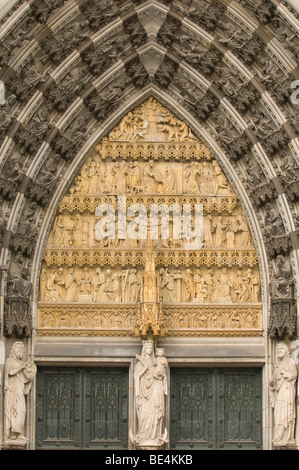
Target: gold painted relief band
{"type": "Point", "coordinates": [136, 257]}
{"type": "Point", "coordinates": [180, 319]}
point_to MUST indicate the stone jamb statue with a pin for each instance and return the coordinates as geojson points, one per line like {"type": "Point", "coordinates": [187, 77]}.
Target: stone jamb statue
{"type": "Point", "coordinates": [17, 383]}
{"type": "Point", "coordinates": [282, 398]}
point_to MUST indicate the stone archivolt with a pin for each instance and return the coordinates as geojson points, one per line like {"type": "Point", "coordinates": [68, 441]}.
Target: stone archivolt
{"type": "Point", "coordinates": [229, 65]}
{"type": "Point", "coordinates": [93, 286]}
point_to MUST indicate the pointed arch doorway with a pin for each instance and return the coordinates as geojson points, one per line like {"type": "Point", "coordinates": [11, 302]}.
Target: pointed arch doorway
{"type": "Point", "coordinates": [91, 277]}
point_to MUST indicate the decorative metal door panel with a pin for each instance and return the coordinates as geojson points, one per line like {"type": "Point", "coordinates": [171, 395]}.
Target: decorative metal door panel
{"type": "Point", "coordinates": [82, 408]}
{"type": "Point", "coordinates": [216, 408]}
{"type": "Point", "coordinates": [58, 408]}
{"type": "Point", "coordinates": [239, 409]}
{"type": "Point", "coordinates": [106, 409]}
{"type": "Point", "coordinates": [192, 409]}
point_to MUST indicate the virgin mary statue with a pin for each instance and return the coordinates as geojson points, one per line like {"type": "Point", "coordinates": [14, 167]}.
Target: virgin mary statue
{"type": "Point", "coordinates": [150, 394]}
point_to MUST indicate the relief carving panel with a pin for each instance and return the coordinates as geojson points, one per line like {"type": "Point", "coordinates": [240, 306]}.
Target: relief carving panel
{"type": "Point", "coordinates": [93, 276]}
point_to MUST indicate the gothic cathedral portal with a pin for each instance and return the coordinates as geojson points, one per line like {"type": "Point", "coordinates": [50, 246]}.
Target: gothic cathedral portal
{"type": "Point", "coordinates": [149, 269]}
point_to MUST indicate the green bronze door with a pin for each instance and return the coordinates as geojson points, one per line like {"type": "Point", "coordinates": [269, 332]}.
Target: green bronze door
{"type": "Point", "coordinates": [216, 408]}
{"type": "Point", "coordinates": [82, 408]}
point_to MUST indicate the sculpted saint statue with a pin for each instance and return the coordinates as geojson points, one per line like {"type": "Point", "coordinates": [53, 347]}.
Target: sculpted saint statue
{"type": "Point", "coordinates": [280, 285]}
{"type": "Point", "coordinates": [282, 396]}
{"type": "Point", "coordinates": [18, 282]}
{"type": "Point", "coordinates": [150, 380]}
{"type": "Point", "coordinates": [17, 383]}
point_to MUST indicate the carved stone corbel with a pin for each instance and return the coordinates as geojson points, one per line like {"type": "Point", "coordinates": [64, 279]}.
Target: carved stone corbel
{"type": "Point", "coordinates": [102, 103]}
{"type": "Point", "coordinates": [250, 50]}
{"type": "Point", "coordinates": [22, 241]}
{"type": "Point", "coordinates": [8, 189]}
{"type": "Point", "coordinates": [63, 146]}
{"type": "Point", "coordinates": [99, 12]}
{"type": "Point", "coordinates": [279, 245]}
{"type": "Point", "coordinates": [209, 61]}
{"type": "Point", "coordinates": [265, 11]}
{"type": "Point", "coordinates": [204, 107]}
{"type": "Point", "coordinates": [7, 117]}
{"type": "Point", "coordinates": [166, 72]}
{"type": "Point", "coordinates": [168, 30]}
{"type": "Point", "coordinates": [239, 147]}
{"type": "Point", "coordinates": [262, 191]}
{"type": "Point", "coordinates": [27, 140]}
{"type": "Point", "coordinates": [17, 317]}
{"type": "Point", "coordinates": [20, 88]}
{"type": "Point", "coordinates": [135, 30]}
{"type": "Point", "coordinates": [39, 193]}
{"type": "Point", "coordinates": [247, 97]}
{"type": "Point", "coordinates": [282, 319]}
{"type": "Point", "coordinates": [275, 142]}
{"type": "Point", "coordinates": [137, 72]}
{"type": "Point", "coordinates": [207, 14]}
{"type": "Point", "coordinates": [41, 10]}
{"type": "Point", "coordinates": [282, 91]}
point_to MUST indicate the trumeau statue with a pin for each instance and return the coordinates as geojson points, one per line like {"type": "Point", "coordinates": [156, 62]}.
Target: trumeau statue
{"type": "Point", "coordinates": [282, 396]}
{"type": "Point", "coordinates": [17, 383]}
{"type": "Point", "coordinates": [150, 382]}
